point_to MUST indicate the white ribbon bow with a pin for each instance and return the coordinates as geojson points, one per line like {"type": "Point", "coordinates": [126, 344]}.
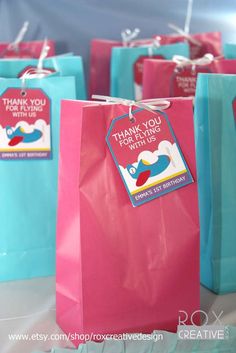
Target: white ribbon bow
{"type": "Point", "coordinates": [39, 71]}
{"type": "Point", "coordinates": [20, 36]}
{"type": "Point", "coordinates": [150, 44]}
{"type": "Point", "coordinates": [182, 61]}
{"type": "Point", "coordinates": [31, 74]}
{"type": "Point", "coordinates": [128, 36]}
{"type": "Point", "coordinates": [154, 43]}
{"type": "Point", "coordinates": [128, 39]}
{"type": "Point", "coordinates": [185, 32]}
{"type": "Point", "coordinates": [148, 104]}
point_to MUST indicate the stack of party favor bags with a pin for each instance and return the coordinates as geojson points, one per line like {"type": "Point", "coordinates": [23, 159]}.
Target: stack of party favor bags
{"type": "Point", "coordinates": [148, 69]}
{"type": "Point", "coordinates": [162, 66]}
{"type": "Point", "coordinates": [116, 239]}
{"type": "Point", "coordinates": [116, 67]}
{"type": "Point", "coordinates": [33, 82]}
{"type": "Point", "coordinates": [130, 190]}
{"type": "Point", "coordinates": [127, 192]}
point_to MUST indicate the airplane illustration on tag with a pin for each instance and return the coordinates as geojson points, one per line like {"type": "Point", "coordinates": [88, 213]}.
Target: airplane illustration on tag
{"type": "Point", "coordinates": [20, 135]}
{"type": "Point", "coordinates": [145, 170]}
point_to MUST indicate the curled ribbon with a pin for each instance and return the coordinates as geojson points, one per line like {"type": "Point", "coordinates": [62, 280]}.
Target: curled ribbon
{"type": "Point", "coordinates": [188, 16]}
{"type": "Point", "coordinates": [182, 61]}
{"type": "Point", "coordinates": [148, 104]}
{"type": "Point", "coordinates": [31, 74]}
{"type": "Point", "coordinates": [43, 54]}
{"type": "Point", "coordinates": [20, 36]}
{"type": "Point", "coordinates": [185, 32]}
{"type": "Point", "coordinates": [128, 36]}
{"type": "Point", "coordinates": [37, 72]}
{"type": "Point", "coordinates": [154, 43]}
{"type": "Point", "coordinates": [150, 44]}
{"type": "Point", "coordinates": [128, 39]}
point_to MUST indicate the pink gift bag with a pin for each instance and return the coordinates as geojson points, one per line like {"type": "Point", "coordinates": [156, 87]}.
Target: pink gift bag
{"type": "Point", "coordinates": [122, 268]}
{"type": "Point", "coordinates": [167, 78]}
{"type": "Point", "coordinates": [199, 43]}
{"type": "Point", "coordinates": [20, 49]}
{"type": "Point", "coordinates": [26, 50]}
{"type": "Point", "coordinates": [100, 58]}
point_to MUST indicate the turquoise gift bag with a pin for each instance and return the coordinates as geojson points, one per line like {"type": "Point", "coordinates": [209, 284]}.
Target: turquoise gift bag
{"type": "Point", "coordinates": [127, 66]}
{"type": "Point", "coordinates": [230, 50]}
{"type": "Point", "coordinates": [64, 65]}
{"type": "Point", "coordinates": [28, 188]}
{"type": "Point", "coordinates": [215, 134]}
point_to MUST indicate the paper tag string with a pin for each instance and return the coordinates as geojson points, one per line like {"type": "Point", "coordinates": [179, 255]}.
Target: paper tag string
{"type": "Point", "coordinates": [20, 36]}
{"type": "Point", "coordinates": [148, 104]}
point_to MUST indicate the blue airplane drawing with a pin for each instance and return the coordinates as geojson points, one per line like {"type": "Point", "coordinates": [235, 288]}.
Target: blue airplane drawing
{"type": "Point", "coordinates": [145, 170]}
{"type": "Point", "coordinates": [20, 135]}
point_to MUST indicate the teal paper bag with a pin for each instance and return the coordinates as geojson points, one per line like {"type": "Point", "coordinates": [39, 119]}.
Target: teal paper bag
{"type": "Point", "coordinates": [70, 66]}
{"type": "Point", "coordinates": [127, 67]}
{"type": "Point", "coordinates": [28, 190]}
{"type": "Point", "coordinates": [64, 65]}
{"type": "Point", "coordinates": [215, 134]}
{"type": "Point", "coordinates": [230, 50]}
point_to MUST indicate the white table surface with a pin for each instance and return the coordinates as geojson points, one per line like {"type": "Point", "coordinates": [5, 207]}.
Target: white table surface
{"type": "Point", "coordinates": [29, 307]}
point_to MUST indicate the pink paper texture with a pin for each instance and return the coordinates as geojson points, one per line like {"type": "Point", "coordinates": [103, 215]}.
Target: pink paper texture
{"type": "Point", "coordinates": [210, 42]}
{"type": "Point", "coordinates": [26, 49]}
{"type": "Point", "coordinates": [120, 268]}
{"type": "Point", "coordinates": [100, 60]}
{"type": "Point", "coordinates": [100, 57]}
{"type": "Point", "coordinates": [159, 76]}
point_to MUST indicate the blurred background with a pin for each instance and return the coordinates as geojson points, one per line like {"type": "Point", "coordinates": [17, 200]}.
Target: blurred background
{"type": "Point", "coordinates": [73, 23]}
